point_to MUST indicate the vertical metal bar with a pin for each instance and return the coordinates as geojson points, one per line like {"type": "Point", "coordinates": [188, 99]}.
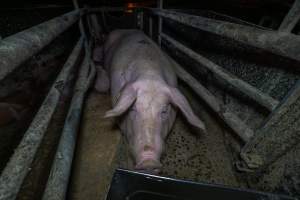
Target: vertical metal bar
{"type": "Point", "coordinates": [87, 45]}
{"type": "Point", "coordinates": [95, 28]}
{"type": "Point", "coordinates": [279, 133]}
{"type": "Point", "coordinates": [19, 164]}
{"type": "Point", "coordinates": [291, 19]}
{"type": "Point", "coordinates": [140, 17]}
{"type": "Point", "coordinates": [160, 21]}
{"type": "Point", "coordinates": [150, 26]}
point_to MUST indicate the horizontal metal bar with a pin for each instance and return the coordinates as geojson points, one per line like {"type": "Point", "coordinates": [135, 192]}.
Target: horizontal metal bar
{"type": "Point", "coordinates": [58, 180]}
{"type": "Point", "coordinates": [106, 9]}
{"type": "Point", "coordinates": [230, 79]}
{"type": "Point", "coordinates": [16, 49]}
{"type": "Point", "coordinates": [291, 19]}
{"type": "Point", "coordinates": [33, 7]}
{"type": "Point", "coordinates": [279, 133]}
{"type": "Point", "coordinates": [279, 43]}
{"type": "Point", "coordinates": [19, 164]}
{"type": "Point", "coordinates": [235, 123]}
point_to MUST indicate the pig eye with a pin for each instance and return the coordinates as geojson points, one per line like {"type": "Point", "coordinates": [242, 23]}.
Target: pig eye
{"type": "Point", "coordinates": [165, 112]}
{"type": "Point", "coordinates": [132, 110]}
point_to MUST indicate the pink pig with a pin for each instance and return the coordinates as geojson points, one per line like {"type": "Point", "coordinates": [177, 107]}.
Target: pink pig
{"type": "Point", "coordinates": [144, 94]}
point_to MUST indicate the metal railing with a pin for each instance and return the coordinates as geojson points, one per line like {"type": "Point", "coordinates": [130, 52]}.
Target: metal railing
{"type": "Point", "coordinates": [258, 151]}
{"type": "Point", "coordinates": [14, 51]}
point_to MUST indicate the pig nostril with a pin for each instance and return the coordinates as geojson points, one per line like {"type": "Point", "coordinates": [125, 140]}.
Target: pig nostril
{"type": "Point", "coordinates": [148, 148]}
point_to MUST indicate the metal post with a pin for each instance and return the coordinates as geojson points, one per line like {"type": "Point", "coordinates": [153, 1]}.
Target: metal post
{"type": "Point", "coordinates": [150, 26]}
{"type": "Point", "coordinates": [19, 164]}
{"type": "Point", "coordinates": [236, 124]}
{"type": "Point", "coordinates": [87, 45]}
{"type": "Point", "coordinates": [95, 28]}
{"type": "Point", "coordinates": [58, 180]}
{"type": "Point", "coordinates": [279, 133]}
{"type": "Point", "coordinates": [280, 43]}
{"type": "Point", "coordinates": [160, 21]}
{"type": "Point", "coordinates": [16, 49]}
{"type": "Point", "coordinates": [291, 19]}
{"type": "Point", "coordinates": [140, 19]}
{"type": "Point", "coordinates": [226, 77]}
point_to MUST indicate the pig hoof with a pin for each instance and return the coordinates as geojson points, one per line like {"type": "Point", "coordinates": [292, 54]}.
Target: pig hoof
{"type": "Point", "coordinates": [149, 166]}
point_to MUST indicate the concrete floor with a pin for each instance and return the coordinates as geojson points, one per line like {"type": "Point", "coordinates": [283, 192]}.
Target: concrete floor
{"type": "Point", "coordinates": [189, 154]}
{"type": "Point", "coordinates": [98, 144]}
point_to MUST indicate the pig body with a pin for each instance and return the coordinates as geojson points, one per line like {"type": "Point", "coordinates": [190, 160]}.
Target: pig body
{"type": "Point", "coordinates": [144, 95]}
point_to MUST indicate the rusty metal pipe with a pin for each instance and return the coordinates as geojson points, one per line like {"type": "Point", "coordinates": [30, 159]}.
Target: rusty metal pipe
{"type": "Point", "coordinates": [58, 180]}
{"type": "Point", "coordinates": [16, 49]}
{"type": "Point", "coordinates": [279, 43]}
{"type": "Point", "coordinates": [19, 164]}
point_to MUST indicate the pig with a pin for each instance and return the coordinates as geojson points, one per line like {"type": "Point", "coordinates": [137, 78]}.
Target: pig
{"type": "Point", "coordinates": [144, 93]}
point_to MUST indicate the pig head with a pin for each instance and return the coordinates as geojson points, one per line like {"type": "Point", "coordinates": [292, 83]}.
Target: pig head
{"type": "Point", "coordinates": [147, 110]}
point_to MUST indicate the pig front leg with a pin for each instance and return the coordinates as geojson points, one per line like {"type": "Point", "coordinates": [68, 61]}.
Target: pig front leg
{"type": "Point", "coordinates": [102, 80]}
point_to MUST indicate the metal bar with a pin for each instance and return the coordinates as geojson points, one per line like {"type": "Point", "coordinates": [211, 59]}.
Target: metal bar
{"type": "Point", "coordinates": [106, 9]}
{"type": "Point", "coordinates": [16, 49]}
{"type": "Point", "coordinates": [19, 164]}
{"type": "Point", "coordinates": [58, 180]}
{"type": "Point", "coordinates": [235, 123]}
{"type": "Point", "coordinates": [291, 19]}
{"type": "Point", "coordinates": [94, 27]}
{"type": "Point", "coordinates": [140, 17]}
{"type": "Point", "coordinates": [87, 45]}
{"type": "Point", "coordinates": [32, 7]}
{"type": "Point", "coordinates": [234, 82]}
{"type": "Point", "coordinates": [160, 21]}
{"type": "Point", "coordinates": [279, 133]}
{"type": "Point", "coordinates": [150, 27]}
{"type": "Point", "coordinates": [279, 43]}
{"type": "Point", "coordinates": [220, 15]}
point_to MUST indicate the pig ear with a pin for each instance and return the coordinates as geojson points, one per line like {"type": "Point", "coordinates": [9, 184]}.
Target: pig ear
{"type": "Point", "coordinates": [125, 100]}
{"type": "Point", "coordinates": [180, 101]}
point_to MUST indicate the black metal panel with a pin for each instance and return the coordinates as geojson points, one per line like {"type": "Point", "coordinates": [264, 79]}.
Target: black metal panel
{"type": "Point", "coordinates": [131, 185]}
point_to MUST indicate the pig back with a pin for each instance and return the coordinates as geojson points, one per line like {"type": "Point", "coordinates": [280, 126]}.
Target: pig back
{"type": "Point", "coordinates": [130, 54]}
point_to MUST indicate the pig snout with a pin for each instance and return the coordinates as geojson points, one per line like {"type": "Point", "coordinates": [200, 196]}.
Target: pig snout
{"type": "Point", "coordinates": [148, 162]}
